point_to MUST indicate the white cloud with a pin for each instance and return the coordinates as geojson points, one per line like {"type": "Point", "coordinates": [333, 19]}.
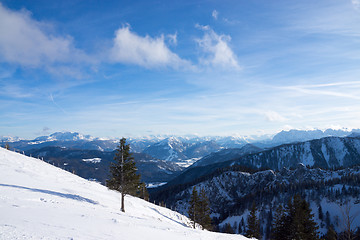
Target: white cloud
{"type": "Point", "coordinates": [172, 38]}
{"type": "Point", "coordinates": [273, 116]}
{"type": "Point", "coordinates": [25, 41]}
{"type": "Point", "coordinates": [356, 4]}
{"type": "Point", "coordinates": [216, 49]}
{"type": "Point", "coordinates": [215, 14]}
{"type": "Point", "coordinates": [131, 48]}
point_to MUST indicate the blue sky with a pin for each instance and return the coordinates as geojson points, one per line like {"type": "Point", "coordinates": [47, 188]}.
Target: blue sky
{"type": "Point", "coordinates": [134, 68]}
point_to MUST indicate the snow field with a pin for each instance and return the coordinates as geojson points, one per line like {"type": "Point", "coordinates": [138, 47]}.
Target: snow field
{"type": "Point", "coordinates": [40, 201]}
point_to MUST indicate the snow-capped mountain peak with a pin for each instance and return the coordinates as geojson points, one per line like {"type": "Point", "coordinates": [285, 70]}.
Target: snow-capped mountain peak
{"type": "Point", "coordinates": [65, 136]}
{"type": "Point", "coordinates": [9, 139]}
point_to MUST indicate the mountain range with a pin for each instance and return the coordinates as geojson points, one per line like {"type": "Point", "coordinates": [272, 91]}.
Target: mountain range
{"type": "Point", "coordinates": [325, 153]}
{"type": "Point", "coordinates": [171, 147]}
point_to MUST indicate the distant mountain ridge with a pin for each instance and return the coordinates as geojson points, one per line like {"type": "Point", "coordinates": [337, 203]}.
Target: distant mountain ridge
{"type": "Point", "coordinates": [306, 135]}
{"type": "Point", "coordinates": [171, 148]}
{"type": "Point", "coordinates": [65, 136]}
{"type": "Point", "coordinates": [325, 153]}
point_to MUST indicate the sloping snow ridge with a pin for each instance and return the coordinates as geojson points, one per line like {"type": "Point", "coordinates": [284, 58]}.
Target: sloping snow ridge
{"type": "Point", "coordinates": [40, 201]}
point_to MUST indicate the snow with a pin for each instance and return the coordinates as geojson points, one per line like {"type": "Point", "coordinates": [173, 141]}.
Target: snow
{"type": "Point", "coordinates": [40, 201]}
{"type": "Point", "coordinates": [308, 159]}
{"type": "Point", "coordinates": [92, 160]}
{"type": "Point", "coordinates": [337, 211]}
{"type": "Point", "coordinates": [155, 185]}
{"type": "Point", "coordinates": [186, 163]}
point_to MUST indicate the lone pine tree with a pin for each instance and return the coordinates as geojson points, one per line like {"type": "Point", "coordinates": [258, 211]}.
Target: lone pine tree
{"type": "Point", "coordinates": [205, 219]}
{"type": "Point", "coordinates": [253, 230]}
{"type": "Point", "coordinates": [194, 206]}
{"type": "Point", "coordinates": [123, 173]}
{"type": "Point", "coordinates": [199, 211]}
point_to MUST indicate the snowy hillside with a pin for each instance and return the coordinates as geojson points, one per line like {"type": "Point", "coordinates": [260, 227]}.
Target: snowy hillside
{"type": "Point", "coordinates": [40, 201]}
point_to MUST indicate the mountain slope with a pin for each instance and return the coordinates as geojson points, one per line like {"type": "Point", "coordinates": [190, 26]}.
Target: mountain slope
{"type": "Point", "coordinates": [94, 164]}
{"type": "Point", "coordinates": [226, 155]}
{"type": "Point", "coordinates": [232, 194]}
{"type": "Point", "coordinates": [326, 153]}
{"type": "Point", "coordinates": [40, 201]}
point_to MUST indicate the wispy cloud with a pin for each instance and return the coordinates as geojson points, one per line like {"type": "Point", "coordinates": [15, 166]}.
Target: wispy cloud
{"type": "Point", "coordinates": [335, 89]}
{"type": "Point", "coordinates": [14, 91]}
{"type": "Point", "coordinates": [27, 42]}
{"type": "Point", "coordinates": [215, 14]}
{"type": "Point", "coordinates": [328, 17]}
{"type": "Point", "coordinates": [216, 49]}
{"type": "Point", "coordinates": [130, 48]}
{"type": "Point", "coordinates": [356, 4]}
{"type": "Point", "coordinates": [172, 38]}
{"type": "Point", "coordinates": [273, 116]}
{"type": "Point", "coordinates": [57, 105]}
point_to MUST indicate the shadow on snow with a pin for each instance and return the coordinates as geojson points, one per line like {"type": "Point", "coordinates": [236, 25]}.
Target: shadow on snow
{"type": "Point", "coordinates": [59, 194]}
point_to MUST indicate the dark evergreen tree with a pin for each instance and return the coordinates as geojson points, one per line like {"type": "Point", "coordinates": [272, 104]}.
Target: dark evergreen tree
{"type": "Point", "coordinates": [253, 227]}
{"type": "Point", "coordinates": [123, 173]}
{"type": "Point", "coordinates": [305, 226]}
{"type": "Point", "coordinates": [241, 225]}
{"type": "Point", "coordinates": [327, 219]}
{"type": "Point", "coordinates": [320, 213]}
{"type": "Point", "coordinates": [295, 222]}
{"type": "Point", "coordinates": [279, 230]}
{"type": "Point", "coordinates": [194, 208]}
{"type": "Point", "coordinates": [204, 210]}
{"type": "Point", "coordinates": [331, 234]}
{"type": "Point", "coordinates": [268, 224]}
{"type": "Point", "coordinates": [142, 192]}
{"type": "Point", "coordinates": [228, 229]}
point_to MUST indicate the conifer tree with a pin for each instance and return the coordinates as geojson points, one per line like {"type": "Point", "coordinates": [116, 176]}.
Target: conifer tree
{"type": "Point", "coordinates": [331, 234]}
{"type": "Point", "coordinates": [204, 210]}
{"type": "Point", "coordinates": [123, 173]}
{"type": "Point", "coordinates": [194, 207]}
{"type": "Point", "coordinates": [296, 222]}
{"type": "Point", "coordinates": [228, 229]}
{"type": "Point", "coordinates": [306, 226]}
{"type": "Point", "coordinates": [320, 213]}
{"type": "Point", "coordinates": [143, 192]}
{"type": "Point", "coordinates": [253, 228]}
{"type": "Point", "coordinates": [279, 230]}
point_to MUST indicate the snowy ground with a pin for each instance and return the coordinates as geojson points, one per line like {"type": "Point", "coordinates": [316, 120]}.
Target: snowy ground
{"type": "Point", "coordinates": [40, 201]}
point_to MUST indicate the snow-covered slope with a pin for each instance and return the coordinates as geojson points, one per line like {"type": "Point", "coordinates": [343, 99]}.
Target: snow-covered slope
{"type": "Point", "coordinates": [40, 201]}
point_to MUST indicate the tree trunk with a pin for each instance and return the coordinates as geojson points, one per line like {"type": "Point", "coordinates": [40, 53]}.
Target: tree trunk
{"type": "Point", "coordinates": [122, 179]}
{"type": "Point", "coordinates": [122, 202]}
